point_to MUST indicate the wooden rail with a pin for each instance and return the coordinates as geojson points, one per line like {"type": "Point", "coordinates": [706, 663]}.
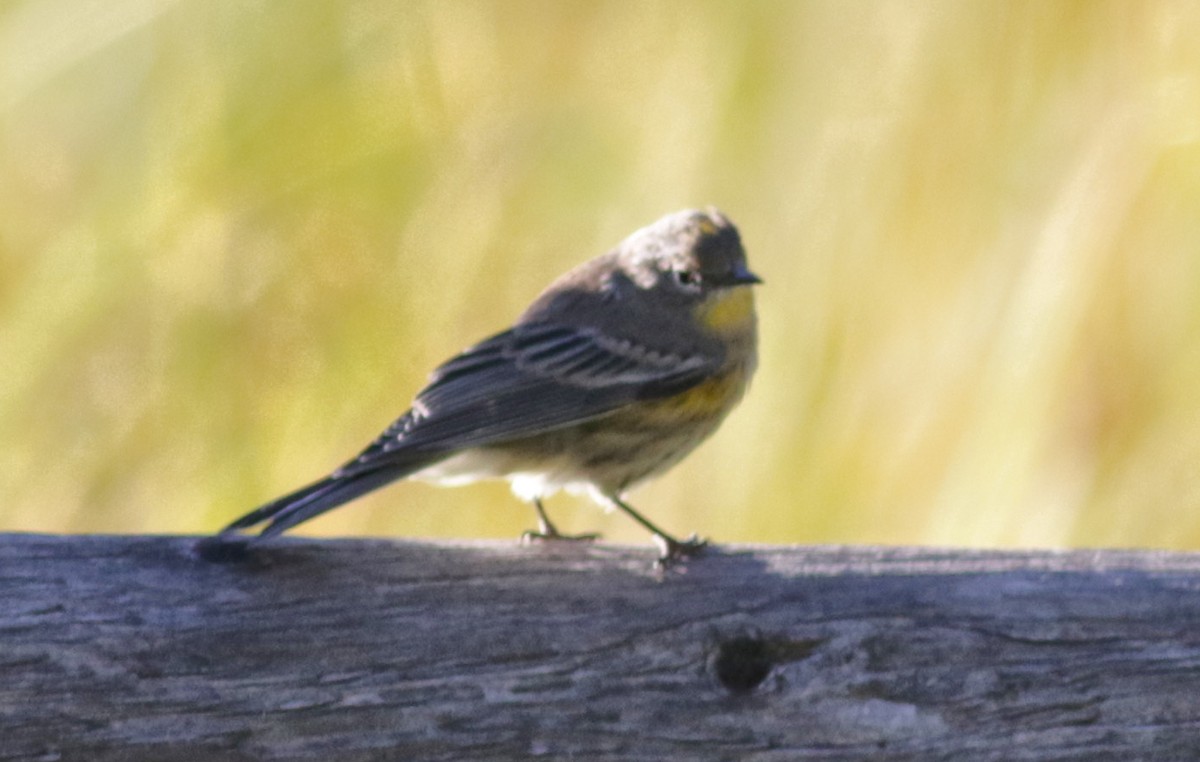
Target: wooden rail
{"type": "Point", "coordinates": [142, 648]}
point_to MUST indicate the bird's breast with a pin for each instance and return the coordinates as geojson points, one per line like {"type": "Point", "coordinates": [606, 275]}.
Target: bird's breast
{"type": "Point", "coordinates": [728, 311]}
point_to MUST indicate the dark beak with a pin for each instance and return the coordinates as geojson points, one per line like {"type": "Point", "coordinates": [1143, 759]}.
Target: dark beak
{"type": "Point", "coordinates": [741, 275]}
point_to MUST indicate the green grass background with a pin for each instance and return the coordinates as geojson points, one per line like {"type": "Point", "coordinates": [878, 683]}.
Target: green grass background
{"type": "Point", "coordinates": [236, 235]}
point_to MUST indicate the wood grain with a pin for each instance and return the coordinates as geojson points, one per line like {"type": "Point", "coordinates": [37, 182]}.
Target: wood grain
{"type": "Point", "coordinates": [141, 648]}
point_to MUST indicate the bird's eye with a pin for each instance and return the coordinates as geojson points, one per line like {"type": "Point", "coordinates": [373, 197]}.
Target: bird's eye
{"type": "Point", "coordinates": [687, 278]}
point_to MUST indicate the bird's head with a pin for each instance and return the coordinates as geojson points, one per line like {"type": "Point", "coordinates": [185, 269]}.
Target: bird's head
{"type": "Point", "coordinates": [696, 257]}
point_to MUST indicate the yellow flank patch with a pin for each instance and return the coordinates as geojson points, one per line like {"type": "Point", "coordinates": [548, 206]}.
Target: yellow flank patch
{"type": "Point", "coordinates": [710, 395]}
{"type": "Point", "coordinates": [707, 227]}
{"type": "Point", "coordinates": [707, 399]}
{"type": "Point", "coordinates": [728, 310]}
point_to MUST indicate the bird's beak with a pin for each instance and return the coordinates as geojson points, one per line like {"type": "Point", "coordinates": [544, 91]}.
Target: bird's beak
{"type": "Point", "coordinates": [742, 276]}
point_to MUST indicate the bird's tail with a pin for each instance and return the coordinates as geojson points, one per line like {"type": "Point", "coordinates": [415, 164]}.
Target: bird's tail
{"type": "Point", "coordinates": [320, 496]}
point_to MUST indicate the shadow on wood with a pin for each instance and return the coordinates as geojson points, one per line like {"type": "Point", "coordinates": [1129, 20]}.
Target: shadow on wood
{"type": "Point", "coordinates": [122, 648]}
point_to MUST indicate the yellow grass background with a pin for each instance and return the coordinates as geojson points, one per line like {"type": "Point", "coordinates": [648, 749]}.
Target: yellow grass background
{"type": "Point", "coordinates": [235, 236]}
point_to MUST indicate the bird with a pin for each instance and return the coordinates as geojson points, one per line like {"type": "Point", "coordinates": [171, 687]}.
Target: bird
{"type": "Point", "coordinates": [615, 372]}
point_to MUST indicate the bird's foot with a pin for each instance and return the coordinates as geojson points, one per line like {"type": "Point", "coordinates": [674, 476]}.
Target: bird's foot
{"type": "Point", "coordinates": [531, 537]}
{"type": "Point", "coordinates": [547, 532]}
{"type": "Point", "coordinates": [672, 551]}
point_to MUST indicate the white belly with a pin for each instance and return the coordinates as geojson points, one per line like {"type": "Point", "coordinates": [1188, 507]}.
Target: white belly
{"type": "Point", "coordinates": [474, 465]}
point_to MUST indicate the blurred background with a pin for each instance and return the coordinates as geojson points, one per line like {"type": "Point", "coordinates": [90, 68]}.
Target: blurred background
{"type": "Point", "coordinates": [235, 236]}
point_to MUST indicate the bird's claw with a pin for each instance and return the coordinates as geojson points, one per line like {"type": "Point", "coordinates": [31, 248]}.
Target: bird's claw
{"type": "Point", "coordinates": [530, 537]}
{"type": "Point", "coordinates": [672, 551]}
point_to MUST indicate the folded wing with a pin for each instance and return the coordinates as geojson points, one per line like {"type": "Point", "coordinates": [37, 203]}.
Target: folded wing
{"type": "Point", "coordinates": [529, 379]}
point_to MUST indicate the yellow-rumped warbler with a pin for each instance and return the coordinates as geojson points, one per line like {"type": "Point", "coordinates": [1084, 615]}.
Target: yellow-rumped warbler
{"type": "Point", "coordinates": [615, 373]}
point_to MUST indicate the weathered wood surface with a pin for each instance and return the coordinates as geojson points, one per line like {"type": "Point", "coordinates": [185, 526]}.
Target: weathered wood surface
{"type": "Point", "coordinates": [137, 648]}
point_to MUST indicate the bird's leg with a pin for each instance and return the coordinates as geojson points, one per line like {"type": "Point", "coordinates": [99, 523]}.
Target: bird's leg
{"type": "Point", "coordinates": [670, 549]}
{"type": "Point", "coordinates": [547, 531]}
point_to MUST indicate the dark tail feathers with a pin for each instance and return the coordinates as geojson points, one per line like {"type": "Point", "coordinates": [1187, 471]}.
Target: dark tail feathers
{"type": "Point", "coordinates": [318, 497]}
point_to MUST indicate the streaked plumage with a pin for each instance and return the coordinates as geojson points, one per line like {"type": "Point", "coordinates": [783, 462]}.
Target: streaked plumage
{"type": "Point", "coordinates": [617, 371]}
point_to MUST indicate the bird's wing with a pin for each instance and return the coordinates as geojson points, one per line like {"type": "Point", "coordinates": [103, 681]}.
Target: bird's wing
{"type": "Point", "coordinates": [530, 379]}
